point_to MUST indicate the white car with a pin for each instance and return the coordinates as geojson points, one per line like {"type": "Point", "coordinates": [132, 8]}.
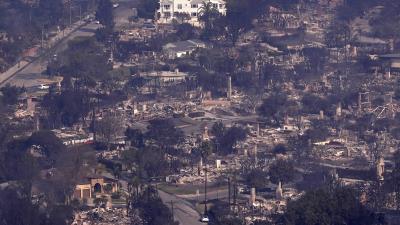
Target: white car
{"type": "Point", "coordinates": [115, 5]}
{"type": "Point", "coordinates": [43, 86]}
{"type": "Point", "coordinates": [204, 219]}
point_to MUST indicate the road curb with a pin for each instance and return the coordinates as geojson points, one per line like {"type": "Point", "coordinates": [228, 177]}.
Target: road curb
{"type": "Point", "coordinates": [2, 83]}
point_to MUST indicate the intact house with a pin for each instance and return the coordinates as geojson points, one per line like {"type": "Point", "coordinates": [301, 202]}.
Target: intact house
{"type": "Point", "coordinates": [93, 186]}
{"type": "Point", "coordinates": [4, 36]}
{"type": "Point", "coordinates": [157, 79]}
{"type": "Point", "coordinates": [74, 137]}
{"type": "Point", "coordinates": [185, 10]}
{"type": "Point", "coordinates": [369, 45]}
{"type": "Point", "coordinates": [182, 48]}
{"type": "Point", "coordinates": [393, 60]}
{"type": "Point", "coordinates": [390, 64]}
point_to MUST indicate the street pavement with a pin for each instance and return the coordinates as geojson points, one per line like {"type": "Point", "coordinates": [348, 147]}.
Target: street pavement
{"type": "Point", "coordinates": [28, 73]}
{"type": "Point", "coordinates": [184, 212]}
{"type": "Point", "coordinates": [23, 63]}
{"type": "Point", "coordinates": [211, 195]}
{"type": "Point", "coordinates": [123, 12]}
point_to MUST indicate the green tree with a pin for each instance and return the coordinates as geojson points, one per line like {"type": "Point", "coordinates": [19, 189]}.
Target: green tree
{"type": "Point", "coordinates": [84, 61]}
{"type": "Point", "coordinates": [50, 11]}
{"type": "Point", "coordinates": [163, 133]}
{"type": "Point", "coordinates": [226, 144]}
{"type": "Point", "coordinates": [147, 8]}
{"type": "Point", "coordinates": [48, 143]}
{"type": "Point", "coordinates": [240, 15]}
{"type": "Point", "coordinates": [257, 178]}
{"type": "Point", "coordinates": [135, 136]}
{"type": "Point", "coordinates": [17, 208]}
{"type": "Point", "coordinates": [152, 210]}
{"type": "Point", "coordinates": [208, 15]}
{"type": "Point", "coordinates": [319, 131]}
{"type": "Point", "coordinates": [108, 129]}
{"type": "Point", "coordinates": [340, 206]}
{"type": "Point", "coordinates": [272, 108]}
{"type": "Point", "coordinates": [104, 13]}
{"type": "Point", "coordinates": [18, 164]}
{"type": "Point", "coordinates": [10, 94]}
{"type": "Point", "coordinates": [151, 162]}
{"type": "Point", "coordinates": [135, 83]}
{"type": "Point", "coordinates": [206, 149]}
{"type": "Point", "coordinates": [281, 170]}
{"type": "Point", "coordinates": [185, 31]}
{"type": "Point", "coordinates": [218, 130]}
{"type": "Point", "coordinates": [66, 108]}
{"type": "Point", "coordinates": [316, 59]}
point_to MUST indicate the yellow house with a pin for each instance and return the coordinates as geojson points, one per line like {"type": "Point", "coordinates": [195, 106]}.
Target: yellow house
{"type": "Point", "coordinates": [95, 185]}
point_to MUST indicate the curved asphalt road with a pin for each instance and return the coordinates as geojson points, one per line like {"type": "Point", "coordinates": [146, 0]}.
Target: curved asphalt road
{"type": "Point", "coordinates": [183, 210]}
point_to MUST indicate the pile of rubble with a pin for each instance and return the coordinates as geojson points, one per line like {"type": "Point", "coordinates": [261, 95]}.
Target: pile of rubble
{"type": "Point", "coordinates": [100, 216]}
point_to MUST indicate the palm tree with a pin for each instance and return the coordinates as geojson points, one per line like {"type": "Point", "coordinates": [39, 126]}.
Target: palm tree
{"type": "Point", "coordinates": [134, 186]}
{"type": "Point", "coordinates": [183, 17]}
{"type": "Point", "coordinates": [206, 149]}
{"type": "Point", "coordinates": [207, 15]}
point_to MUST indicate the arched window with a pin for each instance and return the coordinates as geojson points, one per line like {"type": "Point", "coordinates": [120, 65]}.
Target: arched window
{"type": "Point", "coordinates": [97, 188]}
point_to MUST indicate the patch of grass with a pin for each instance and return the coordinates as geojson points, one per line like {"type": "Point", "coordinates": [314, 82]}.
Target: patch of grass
{"type": "Point", "coordinates": [188, 189]}
{"type": "Point", "coordinates": [200, 207]}
{"type": "Point", "coordinates": [178, 189]}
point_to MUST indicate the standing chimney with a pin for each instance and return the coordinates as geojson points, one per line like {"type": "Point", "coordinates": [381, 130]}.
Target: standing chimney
{"type": "Point", "coordinates": [37, 122]}
{"type": "Point", "coordinates": [200, 166]}
{"type": "Point", "coordinates": [279, 192]}
{"type": "Point", "coordinates": [252, 196]}
{"type": "Point", "coordinates": [218, 163]}
{"type": "Point", "coordinates": [258, 129]}
{"type": "Point", "coordinates": [380, 168]}
{"type": "Point", "coordinates": [339, 110]}
{"type": "Point", "coordinates": [229, 94]}
{"type": "Point", "coordinates": [255, 155]}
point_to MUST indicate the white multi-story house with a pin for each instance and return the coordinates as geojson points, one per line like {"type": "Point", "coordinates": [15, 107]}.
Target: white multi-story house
{"type": "Point", "coordinates": [186, 10]}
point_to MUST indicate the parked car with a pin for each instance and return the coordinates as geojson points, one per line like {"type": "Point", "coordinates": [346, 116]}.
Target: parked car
{"type": "Point", "coordinates": [44, 86]}
{"type": "Point", "coordinates": [204, 219]}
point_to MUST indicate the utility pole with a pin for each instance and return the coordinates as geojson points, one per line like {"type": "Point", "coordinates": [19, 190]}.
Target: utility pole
{"type": "Point", "coordinates": [172, 208]}
{"type": "Point", "coordinates": [70, 12]}
{"type": "Point", "coordinates": [229, 192]}
{"type": "Point", "coordinates": [42, 39]}
{"type": "Point", "coordinates": [205, 190]}
{"type": "Point", "coordinates": [234, 190]}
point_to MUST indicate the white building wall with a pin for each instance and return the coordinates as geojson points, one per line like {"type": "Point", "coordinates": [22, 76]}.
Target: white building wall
{"type": "Point", "coordinates": [168, 8]}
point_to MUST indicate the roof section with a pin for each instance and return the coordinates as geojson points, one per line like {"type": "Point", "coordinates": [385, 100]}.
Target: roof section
{"type": "Point", "coordinates": [182, 46]}
{"type": "Point", "coordinates": [371, 40]}
{"type": "Point", "coordinates": [391, 56]}
{"type": "Point", "coordinates": [202, 1]}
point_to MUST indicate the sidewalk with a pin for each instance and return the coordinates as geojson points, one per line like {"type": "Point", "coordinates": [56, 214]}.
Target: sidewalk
{"type": "Point", "coordinates": [22, 64]}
